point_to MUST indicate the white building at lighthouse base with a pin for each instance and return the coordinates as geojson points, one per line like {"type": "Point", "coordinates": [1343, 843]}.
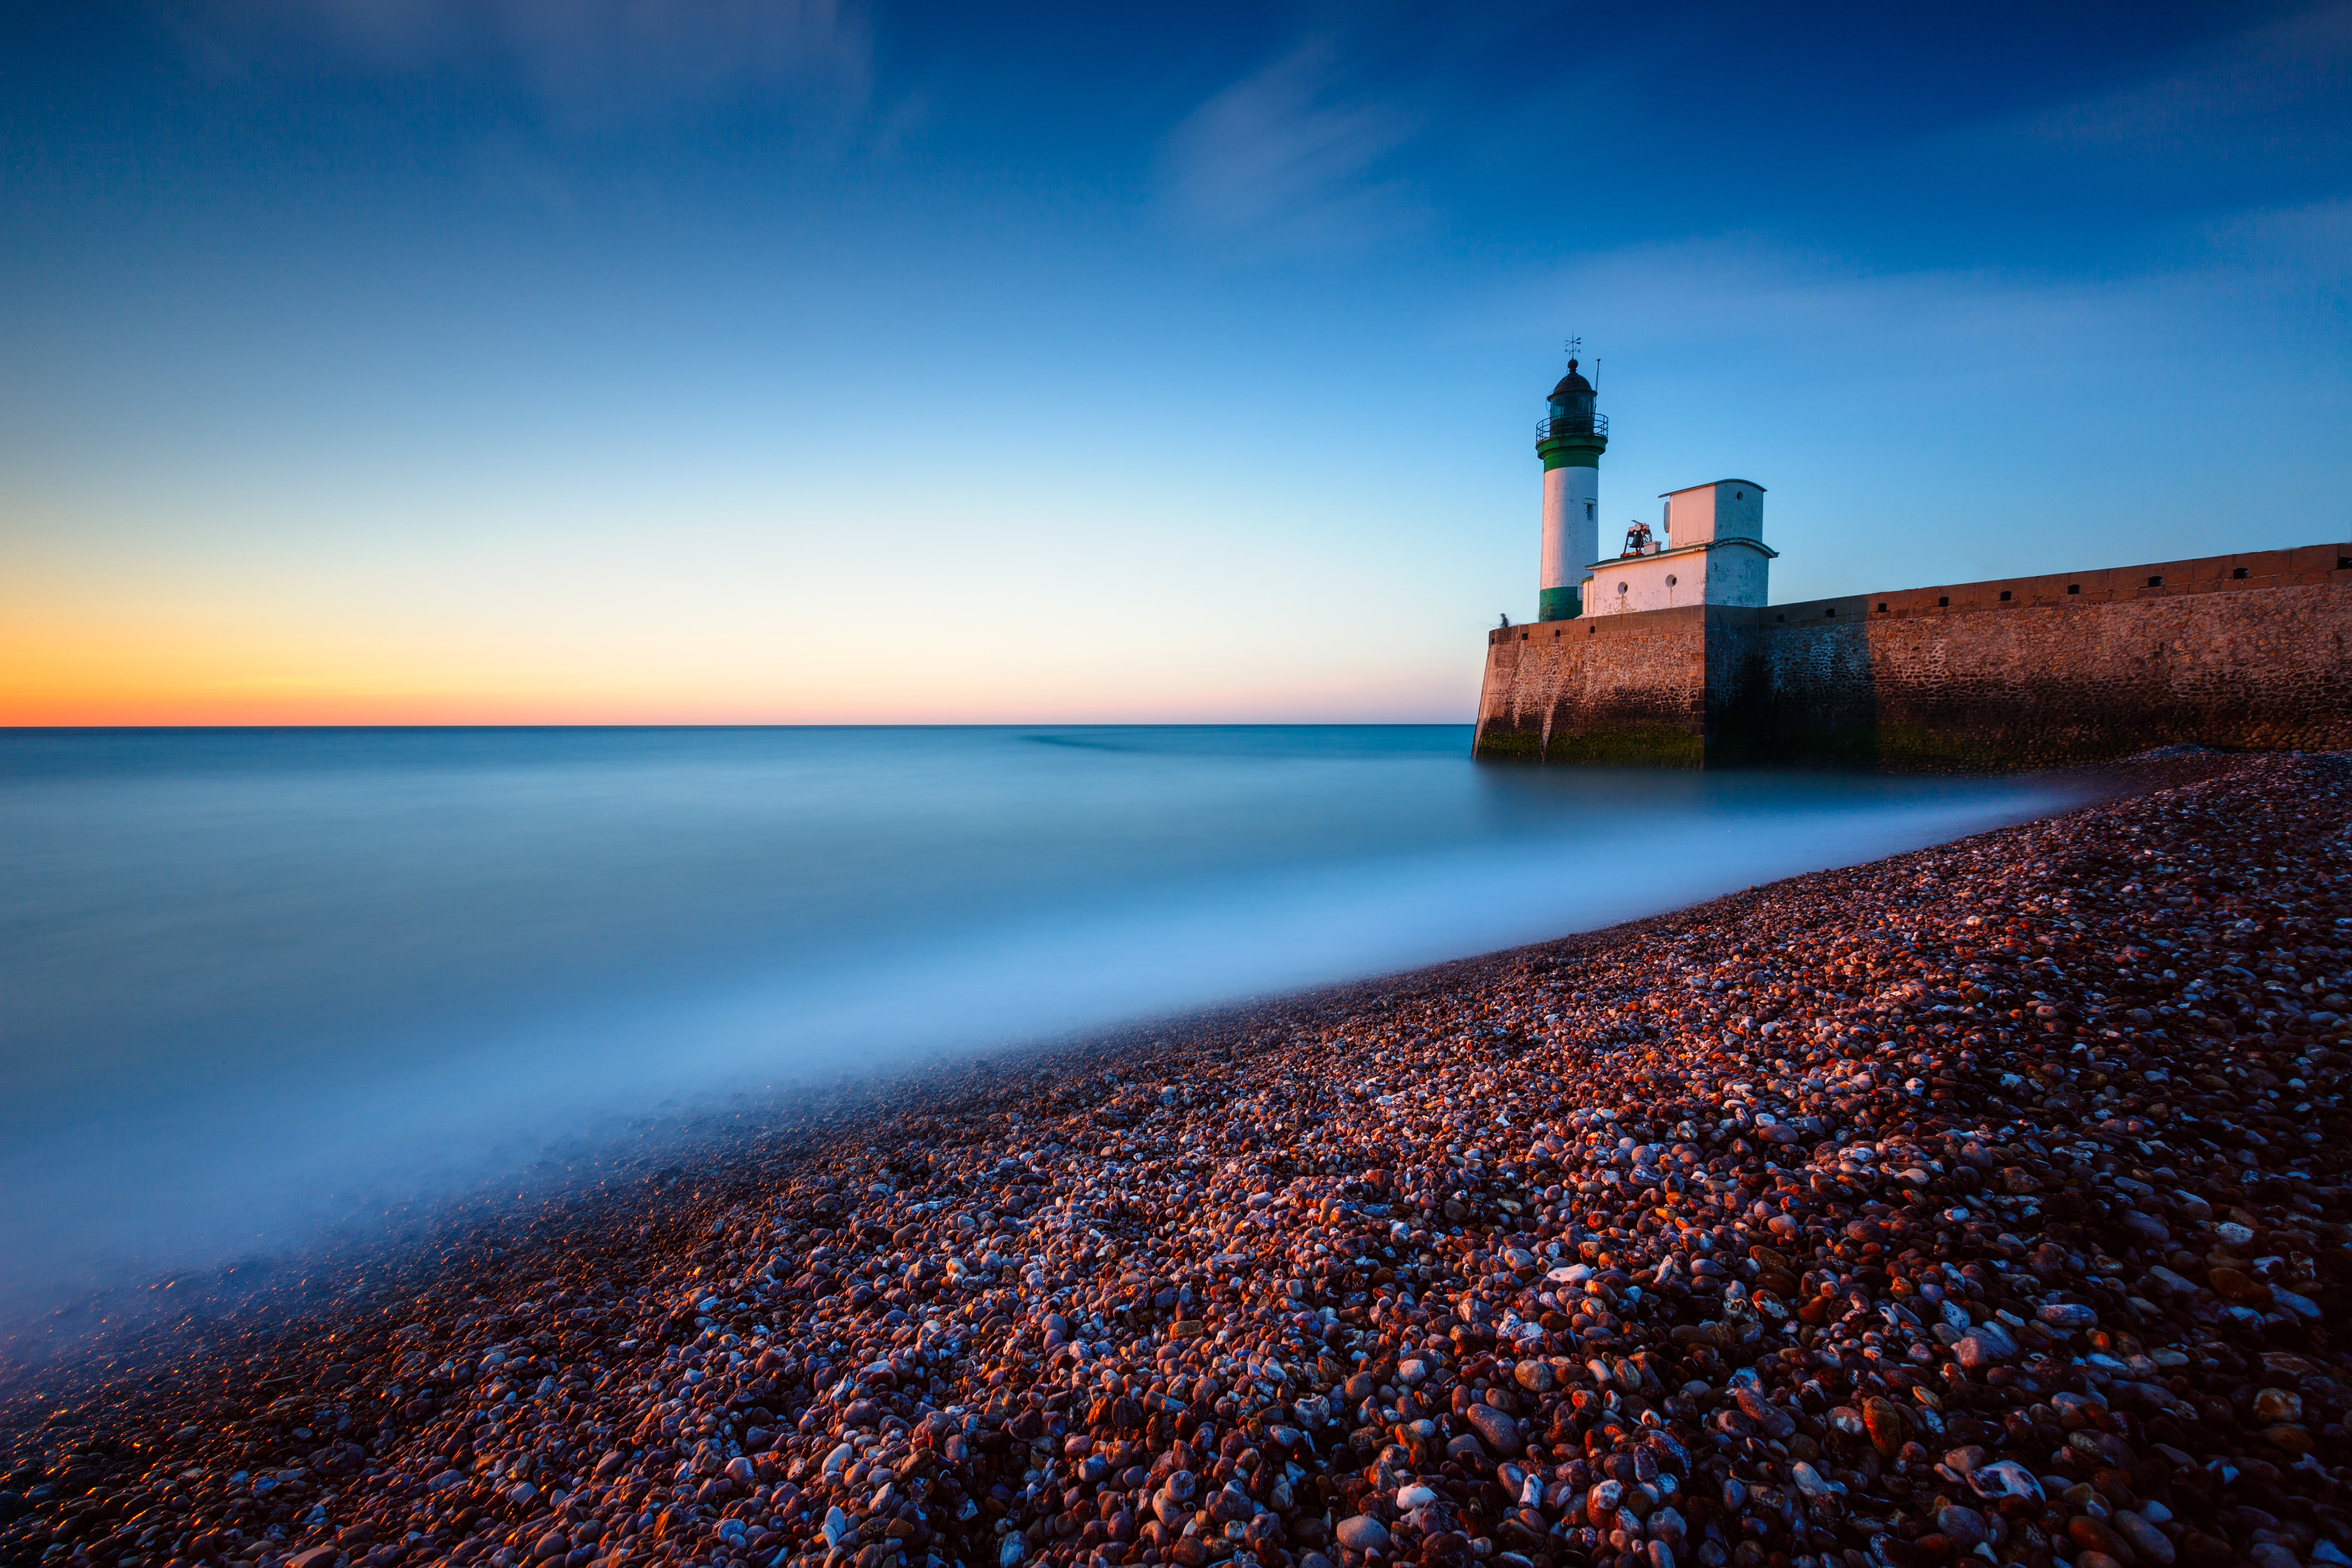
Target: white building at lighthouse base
{"type": "Point", "coordinates": [1715, 554]}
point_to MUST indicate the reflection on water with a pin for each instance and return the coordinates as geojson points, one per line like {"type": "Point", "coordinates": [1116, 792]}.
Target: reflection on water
{"type": "Point", "coordinates": [246, 975]}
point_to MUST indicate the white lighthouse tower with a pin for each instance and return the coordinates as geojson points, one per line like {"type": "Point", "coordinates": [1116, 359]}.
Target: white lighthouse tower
{"type": "Point", "coordinates": [1570, 440]}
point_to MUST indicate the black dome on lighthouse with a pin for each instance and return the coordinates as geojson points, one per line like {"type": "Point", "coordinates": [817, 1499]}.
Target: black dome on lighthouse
{"type": "Point", "coordinates": [1571, 385]}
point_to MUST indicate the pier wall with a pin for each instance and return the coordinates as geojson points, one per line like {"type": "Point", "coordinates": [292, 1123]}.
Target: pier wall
{"type": "Point", "coordinates": [2237, 652]}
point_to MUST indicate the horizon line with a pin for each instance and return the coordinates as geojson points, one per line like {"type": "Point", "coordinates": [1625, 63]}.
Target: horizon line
{"type": "Point", "coordinates": [655, 724]}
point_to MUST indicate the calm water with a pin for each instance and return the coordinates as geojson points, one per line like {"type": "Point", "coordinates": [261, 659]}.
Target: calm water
{"type": "Point", "coordinates": [247, 977]}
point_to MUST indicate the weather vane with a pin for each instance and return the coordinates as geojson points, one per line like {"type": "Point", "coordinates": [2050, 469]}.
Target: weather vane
{"type": "Point", "coordinates": [1575, 347]}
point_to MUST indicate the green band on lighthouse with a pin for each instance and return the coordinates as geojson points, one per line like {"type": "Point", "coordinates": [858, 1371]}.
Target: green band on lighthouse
{"type": "Point", "coordinates": [1571, 452]}
{"type": "Point", "coordinates": [1559, 604]}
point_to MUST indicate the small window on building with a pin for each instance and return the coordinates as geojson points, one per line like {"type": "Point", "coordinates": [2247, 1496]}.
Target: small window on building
{"type": "Point", "coordinates": [1882, 606]}
{"type": "Point", "coordinates": [2344, 564]}
{"type": "Point", "coordinates": [2155, 581]}
{"type": "Point", "coordinates": [1944, 603]}
{"type": "Point", "coordinates": [1739, 495]}
{"type": "Point", "coordinates": [1831, 611]}
{"type": "Point", "coordinates": [2074, 587]}
{"type": "Point", "coordinates": [1589, 507]}
{"type": "Point", "coordinates": [2004, 595]}
{"type": "Point", "coordinates": [1670, 579]}
{"type": "Point", "coordinates": [1781, 617]}
{"type": "Point", "coordinates": [2238, 573]}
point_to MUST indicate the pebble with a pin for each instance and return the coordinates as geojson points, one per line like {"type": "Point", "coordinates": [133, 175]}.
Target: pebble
{"type": "Point", "coordinates": [1987, 1200]}
{"type": "Point", "coordinates": [1963, 1526]}
{"type": "Point", "coordinates": [2145, 1539]}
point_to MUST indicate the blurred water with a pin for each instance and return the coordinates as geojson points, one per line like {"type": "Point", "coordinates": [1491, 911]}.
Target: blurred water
{"type": "Point", "coordinates": [248, 976]}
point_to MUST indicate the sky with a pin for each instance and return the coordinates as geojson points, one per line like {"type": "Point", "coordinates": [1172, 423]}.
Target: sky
{"type": "Point", "coordinates": [763, 361]}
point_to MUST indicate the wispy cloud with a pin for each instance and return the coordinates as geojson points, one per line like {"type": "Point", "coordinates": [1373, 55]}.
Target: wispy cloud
{"type": "Point", "coordinates": [2274, 95]}
{"type": "Point", "coordinates": [1382, 122]}
{"type": "Point", "coordinates": [1953, 334]}
{"type": "Point", "coordinates": [1744, 296]}
{"type": "Point", "coordinates": [587, 61]}
{"type": "Point", "coordinates": [1287, 160]}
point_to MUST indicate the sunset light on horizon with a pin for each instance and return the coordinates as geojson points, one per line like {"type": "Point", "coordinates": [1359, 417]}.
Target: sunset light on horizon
{"type": "Point", "coordinates": [835, 363]}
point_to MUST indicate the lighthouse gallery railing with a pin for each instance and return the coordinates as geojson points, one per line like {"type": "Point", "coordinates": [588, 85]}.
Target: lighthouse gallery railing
{"type": "Point", "coordinates": [1572, 425]}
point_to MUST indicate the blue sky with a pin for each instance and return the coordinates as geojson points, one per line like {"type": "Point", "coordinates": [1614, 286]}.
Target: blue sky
{"type": "Point", "coordinates": [605, 359]}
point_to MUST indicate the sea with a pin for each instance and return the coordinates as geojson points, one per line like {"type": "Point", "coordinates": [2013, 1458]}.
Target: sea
{"type": "Point", "coordinates": [258, 984]}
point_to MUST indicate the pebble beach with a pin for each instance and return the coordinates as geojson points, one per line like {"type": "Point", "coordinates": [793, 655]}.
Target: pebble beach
{"type": "Point", "coordinates": [1986, 1201]}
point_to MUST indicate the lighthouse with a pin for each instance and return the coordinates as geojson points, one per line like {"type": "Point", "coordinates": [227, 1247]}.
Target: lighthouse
{"type": "Point", "coordinates": [1570, 440]}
